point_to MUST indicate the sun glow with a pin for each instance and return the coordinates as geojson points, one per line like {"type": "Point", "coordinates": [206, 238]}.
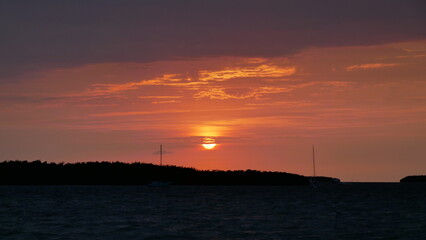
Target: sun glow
{"type": "Point", "coordinates": [208, 131]}
{"type": "Point", "coordinates": [209, 143]}
{"type": "Point", "coordinates": [208, 146]}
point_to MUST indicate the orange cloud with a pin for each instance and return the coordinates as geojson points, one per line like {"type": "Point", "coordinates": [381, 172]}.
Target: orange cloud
{"type": "Point", "coordinates": [168, 111]}
{"type": "Point", "coordinates": [164, 80]}
{"type": "Point", "coordinates": [256, 60]}
{"type": "Point", "coordinates": [218, 93]}
{"type": "Point", "coordinates": [113, 114]}
{"type": "Point", "coordinates": [258, 71]}
{"type": "Point", "coordinates": [162, 102]}
{"type": "Point", "coordinates": [167, 99]}
{"type": "Point", "coordinates": [205, 76]}
{"type": "Point", "coordinates": [370, 66]}
{"type": "Point", "coordinates": [294, 104]}
{"type": "Point", "coordinates": [221, 94]}
{"type": "Point", "coordinates": [160, 97]}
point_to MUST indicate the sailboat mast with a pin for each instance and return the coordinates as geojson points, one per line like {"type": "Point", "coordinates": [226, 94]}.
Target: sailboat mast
{"type": "Point", "coordinates": [313, 158]}
{"type": "Point", "coordinates": [161, 154]}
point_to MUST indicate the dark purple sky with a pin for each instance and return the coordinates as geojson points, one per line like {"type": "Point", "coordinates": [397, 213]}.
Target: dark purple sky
{"type": "Point", "coordinates": [40, 34]}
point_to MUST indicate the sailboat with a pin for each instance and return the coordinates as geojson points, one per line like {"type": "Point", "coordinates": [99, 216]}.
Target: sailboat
{"type": "Point", "coordinates": [159, 183]}
{"type": "Point", "coordinates": [313, 181]}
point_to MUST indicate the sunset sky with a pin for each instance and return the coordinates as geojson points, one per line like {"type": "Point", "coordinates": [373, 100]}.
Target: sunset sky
{"type": "Point", "coordinates": [263, 80]}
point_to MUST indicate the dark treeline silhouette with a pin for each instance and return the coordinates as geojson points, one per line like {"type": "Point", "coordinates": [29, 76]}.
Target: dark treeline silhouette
{"type": "Point", "coordinates": [119, 173]}
{"type": "Point", "coordinates": [418, 178]}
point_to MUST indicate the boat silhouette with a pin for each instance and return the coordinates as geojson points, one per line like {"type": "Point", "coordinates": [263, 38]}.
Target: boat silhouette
{"type": "Point", "coordinates": [313, 183]}
{"type": "Point", "coordinates": [158, 183]}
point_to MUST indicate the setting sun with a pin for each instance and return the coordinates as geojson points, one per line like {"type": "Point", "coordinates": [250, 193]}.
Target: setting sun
{"type": "Point", "coordinates": [209, 146]}
{"type": "Point", "coordinates": [209, 143]}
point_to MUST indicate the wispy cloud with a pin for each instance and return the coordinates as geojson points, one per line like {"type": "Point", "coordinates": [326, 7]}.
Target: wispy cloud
{"type": "Point", "coordinates": [264, 70]}
{"type": "Point", "coordinates": [164, 80]}
{"type": "Point", "coordinates": [168, 111]}
{"type": "Point", "coordinates": [113, 114]}
{"type": "Point", "coordinates": [218, 93]}
{"type": "Point", "coordinates": [166, 101]}
{"type": "Point", "coordinates": [294, 104]}
{"type": "Point", "coordinates": [221, 94]}
{"type": "Point", "coordinates": [370, 66]}
{"type": "Point", "coordinates": [160, 97]}
{"type": "Point", "coordinates": [412, 56]}
{"type": "Point", "coordinates": [205, 76]}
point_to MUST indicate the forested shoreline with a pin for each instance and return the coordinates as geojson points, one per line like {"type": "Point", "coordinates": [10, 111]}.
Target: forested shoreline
{"type": "Point", "coordinates": [414, 178]}
{"type": "Point", "coordinates": [18, 172]}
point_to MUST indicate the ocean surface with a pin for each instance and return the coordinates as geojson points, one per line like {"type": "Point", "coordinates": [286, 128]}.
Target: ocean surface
{"type": "Point", "coordinates": [347, 211]}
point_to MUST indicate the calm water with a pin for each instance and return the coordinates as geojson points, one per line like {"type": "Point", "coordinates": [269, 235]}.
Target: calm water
{"type": "Point", "coordinates": [350, 211]}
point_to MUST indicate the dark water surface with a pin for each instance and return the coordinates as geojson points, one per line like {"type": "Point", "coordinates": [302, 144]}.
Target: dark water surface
{"type": "Point", "coordinates": [348, 211]}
